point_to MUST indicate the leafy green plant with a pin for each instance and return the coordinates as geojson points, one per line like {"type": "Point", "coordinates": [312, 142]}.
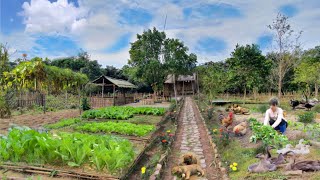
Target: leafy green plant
{"type": "Point", "coordinates": [262, 108]}
{"type": "Point", "coordinates": [63, 123]}
{"type": "Point", "coordinates": [266, 134]}
{"type": "Point", "coordinates": [121, 112]}
{"type": "Point", "coordinates": [306, 117]}
{"type": "Point", "coordinates": [4, 108]}
{"type": "Point", "coordinates": [85, 104]}
{"type": "Point", "coordinates": [117, 127]}
{"type": "Point", "coordinates": [73, 149]}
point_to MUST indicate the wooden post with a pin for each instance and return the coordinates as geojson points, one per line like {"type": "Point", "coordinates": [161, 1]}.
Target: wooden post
{"type": "Point", "coordinates": [114, 89]}
{"type": "Point", "coordinates": [198, 86]}
{"type": "Point", "coordinates": [124, 95]}
{"type": "Point", "coordinates": [102, 86]}
{"type": "Point", "coordinates": [174, 88]}
{"type": "Point", "coordinates": [183, 88]}
{"type": "Point", "coordinates": [192, 87]}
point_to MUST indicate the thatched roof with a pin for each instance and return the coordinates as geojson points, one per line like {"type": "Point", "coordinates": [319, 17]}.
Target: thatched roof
{"type": "Point", "coordinates": [170, 78]}
{"type": "Point", "coordinates": [108, 81]}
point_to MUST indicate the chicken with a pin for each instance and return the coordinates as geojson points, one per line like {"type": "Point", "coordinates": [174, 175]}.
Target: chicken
{"type": "Point", "coordinates": [240, 129]}
{"type": "Point", "coordinates": [226, 121]}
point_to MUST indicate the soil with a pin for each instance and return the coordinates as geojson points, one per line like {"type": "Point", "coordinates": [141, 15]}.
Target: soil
{"type": "Point", "coordinates": [182, 135]}
{"type": "Point", "coordinates": [37, 120]}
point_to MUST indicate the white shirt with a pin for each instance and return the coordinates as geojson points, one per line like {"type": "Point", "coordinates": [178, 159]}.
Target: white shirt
{"type": "Point", "coordinates": [277, 116]}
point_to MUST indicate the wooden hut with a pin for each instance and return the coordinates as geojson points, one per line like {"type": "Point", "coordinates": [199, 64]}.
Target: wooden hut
{"type": "Point", "coordinates": [118, 88]}
{"type": "Point", "coordinates": [185, 85]}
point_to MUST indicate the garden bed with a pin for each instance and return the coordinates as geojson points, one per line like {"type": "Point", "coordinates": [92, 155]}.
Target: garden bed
{"type": "Point", "coordinates": [241, 151]}
{"type": "Point", "coordinates": [140, 144]}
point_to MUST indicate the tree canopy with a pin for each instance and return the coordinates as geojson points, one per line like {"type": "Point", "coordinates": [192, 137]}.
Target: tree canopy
{"type": "Point", "coordinates": [153, 57]}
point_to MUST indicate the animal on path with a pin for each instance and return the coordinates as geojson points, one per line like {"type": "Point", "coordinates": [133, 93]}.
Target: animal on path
{"type": "Point", "coordinates": [187, 170]}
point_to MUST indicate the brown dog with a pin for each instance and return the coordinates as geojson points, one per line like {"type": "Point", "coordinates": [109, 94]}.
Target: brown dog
{"type": "Point", "coordinates": [188, 159]}
{"type": "Point", "coordinates": [188, 170]}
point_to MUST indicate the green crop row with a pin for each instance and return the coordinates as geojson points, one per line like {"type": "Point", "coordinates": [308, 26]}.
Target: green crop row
{"type": "Point", "coordinates": [63, 123]}
{"type": "Point", "coordinates": [121, 112]}
{"type": "Point", "coordinates": [117, 127]}
{"type": "Point", "coordinates": [73, 149]}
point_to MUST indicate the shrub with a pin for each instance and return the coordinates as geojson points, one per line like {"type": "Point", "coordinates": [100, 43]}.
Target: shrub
{"type": "Point", "coordinates": [262, 108]}
{"type": "Point", "coordinates": [306, 117]}
{"type": "Point", "coordinates": [210, 112]}
{"type": "Point", "coordinates": [85, 104]}
{"type": "Point", "coordinates": [4, 108]}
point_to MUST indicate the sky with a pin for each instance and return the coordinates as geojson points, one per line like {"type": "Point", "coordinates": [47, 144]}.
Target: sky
{"type": "Point", "coordinates": [105, 28]}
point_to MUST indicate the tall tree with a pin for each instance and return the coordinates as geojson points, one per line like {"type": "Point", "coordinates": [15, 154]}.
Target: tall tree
{"type": "Point", "coordinates": [308, 71]}
{"type": "Point", "coordinates": [248, 67]}
{"type": "Point", "coordinates": [145, 58]}
{"type": "Point", "coordinates": [288, 48]}
{"type": "Point", "coordinates": [80, 63]}
{"type": "Point", "coordinates": [177, 61]}
{"type": "Point", "coordinates": [214, 78]}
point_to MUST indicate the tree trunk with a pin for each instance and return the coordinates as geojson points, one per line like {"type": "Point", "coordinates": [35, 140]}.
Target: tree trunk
{"type": "Point", "coordinates": [174, 88]}
{"type": "Point", "coordinates": [279, 87]}
{"type": "Point", "coordinates": [244, 95]}
{"type": "Point", "coordinates": [316, 90]}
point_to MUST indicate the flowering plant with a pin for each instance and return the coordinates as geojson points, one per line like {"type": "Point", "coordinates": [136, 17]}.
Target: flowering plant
{"type": "Point", "coordinates": [234, 166]}
{"type": "Point", "coordinates": [166, 138]}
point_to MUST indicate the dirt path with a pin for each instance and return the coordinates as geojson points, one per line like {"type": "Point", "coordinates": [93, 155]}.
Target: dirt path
{"type": "Point", "coordinates": [38, 119]}
{"type": "Point", "coordinates": [191, 137]}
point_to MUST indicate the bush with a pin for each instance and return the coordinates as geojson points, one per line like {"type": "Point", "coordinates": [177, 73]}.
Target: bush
{"type": "Point", "coordinates": [85, 104]}
{"type": "Point", "coordinates": [316, 108]}
{"type": "Point", "coordinates": [4, 108]}
{"type": "Point", "coordinates": [306, 117]}
{"type": "Point", "coordinates": [263, 108]}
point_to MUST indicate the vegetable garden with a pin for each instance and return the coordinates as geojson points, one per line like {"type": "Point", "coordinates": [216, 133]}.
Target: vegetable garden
{"type": "Point", "coordinates": [97, 141]}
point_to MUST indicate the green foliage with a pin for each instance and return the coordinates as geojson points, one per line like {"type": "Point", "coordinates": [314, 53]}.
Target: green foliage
{"type": "Point", "coordinates": [34, 74]}
{"type": "Point", "coordinates": [152, 57]}
{"type": "Point", "coordinates": [4, 108]}
{"type": "Point", "coordinates": [213, 78]}
{"type": "Point", "coordinates": [117, 127]}
{"type": "Point", "coordinates": [85, 104]}
{"type": "Point", "coordinates": [121, 112]}
{"type": "Point", "coordinates": [67, 149]}
{"type": "Point", "coordinates": [266, 134]}
{"type": "Point", "coordinates": [312, 130]}
{"type": "Point", "coordinates": [4, 60]}
{"type": "Point", "coordinates": [248, 67]}
{"type": "Point", "coordinates": [306, 117]}
{"type": "Point", "coordinates": [80, 63]}
{"type": "Point", "coordinates": [262, 108]}
{"type": "Point", "coordinates": [63, 123]}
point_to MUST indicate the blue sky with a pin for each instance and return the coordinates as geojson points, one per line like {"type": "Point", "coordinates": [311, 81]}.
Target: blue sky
{"type": "Point", "coordinates": [105, 28]}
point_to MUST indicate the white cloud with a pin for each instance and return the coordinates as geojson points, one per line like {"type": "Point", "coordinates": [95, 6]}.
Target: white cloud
{"type": "Point", "coordinates": [94, 24]}
{"type": "Point", "coordinates": [42, 16]}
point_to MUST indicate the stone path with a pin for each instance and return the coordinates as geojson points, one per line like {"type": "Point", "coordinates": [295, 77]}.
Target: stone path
{"type": "Point", "coordinates": [191, 137]}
